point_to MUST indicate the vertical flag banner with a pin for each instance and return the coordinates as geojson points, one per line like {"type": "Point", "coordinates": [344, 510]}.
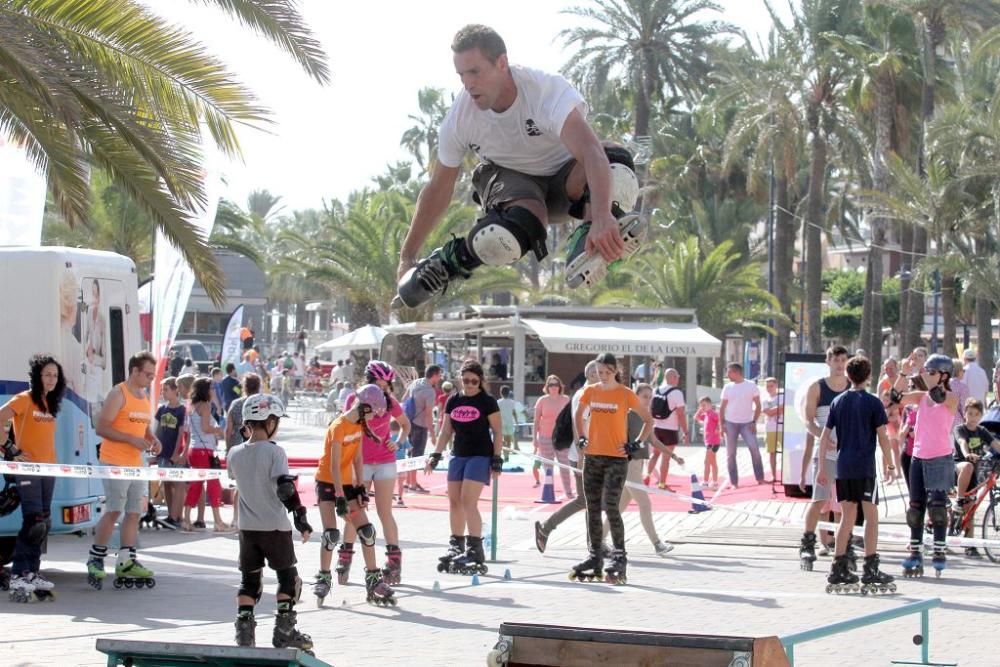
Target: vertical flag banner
{"type": "Point", "coordinates": [22, 197]}
{"type": "Point", "coordinates": [173, 278]}
{"type": "Point", "coordinates": [231, 344]}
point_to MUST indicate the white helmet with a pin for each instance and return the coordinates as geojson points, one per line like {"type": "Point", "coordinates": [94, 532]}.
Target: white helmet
{"type": "Point", "coordinates": [259, 407]}
{"type": "Point", "coordinates": [624, 186]}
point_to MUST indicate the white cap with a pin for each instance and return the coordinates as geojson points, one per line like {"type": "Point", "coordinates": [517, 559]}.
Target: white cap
{"type": "Point", "coordinates": [969, 354]}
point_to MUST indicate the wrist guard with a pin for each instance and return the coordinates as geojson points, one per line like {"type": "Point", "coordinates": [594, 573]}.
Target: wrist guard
{"type": "Point", "coordinates": [434, 458]}
{"type": "Point", "coordinates": [299, 519]}
{"type": "Point", "coordinates": [341, 504]}
{"type": "Point", "coordinates": [937, 394]}
{"type": "Point", "coordinates": [895, 398]}
{"type": "Point", "coordinates": [361, 492]}
{"type": "Point", "coordinates": [496, 464]}
{"type": "Point", "coordinates": [581, 442]}
{"type": "Point", "coordinates": [631, 448]}
{"type": "Point", "coordinates": [10, 450]}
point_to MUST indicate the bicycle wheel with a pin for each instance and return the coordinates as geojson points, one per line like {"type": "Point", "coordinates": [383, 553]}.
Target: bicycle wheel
{"type": "Point", "coordinates": [991, 531]}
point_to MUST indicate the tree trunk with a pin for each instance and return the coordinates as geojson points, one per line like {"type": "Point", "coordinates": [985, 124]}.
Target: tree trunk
{"type": "Point", "coordinates": [984, 332]}
{"type": "Point", "coordinates": [410, 352]}
{"type": "Point", "coordinates": [948, 314]}
{"type": "Point", "coordinates": [915, 303]}
{"type": "Point", "coordinates": [905, 275]}
{"type": "Point", "coordinates": [282, 322]}
{"type": "Point", "coordinates": [720, 367]}
{"type": "Point", "coordinates": [784, 257]}
{"type": "Point", "coordinates": [814, 234]}
{"type": "Point", "coordinates": [361, 313]}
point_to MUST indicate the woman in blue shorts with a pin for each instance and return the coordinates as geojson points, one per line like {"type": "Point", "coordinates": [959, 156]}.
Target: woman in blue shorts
{"type": "Point", "coordinates": [473, 417]}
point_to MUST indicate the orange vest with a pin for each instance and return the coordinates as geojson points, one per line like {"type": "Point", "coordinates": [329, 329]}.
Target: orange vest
{"type": "Point", "coordinates": [134, 418]}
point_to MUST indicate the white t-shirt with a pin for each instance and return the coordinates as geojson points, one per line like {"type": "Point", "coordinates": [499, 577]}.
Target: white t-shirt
{"type": "Point", "coordinates": [525, 137]}
{"type": "Point", "coordinates": [976, 381]}
{"type": "Point", "coordinates": [740, 395]}
{"type": "Point", "coordinates": [768, 402]}
{"type": "Point", "coordinates": [675, 399]}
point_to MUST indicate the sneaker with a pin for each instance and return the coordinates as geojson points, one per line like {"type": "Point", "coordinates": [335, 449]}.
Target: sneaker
{"type": "Point", "coordinates": [541, 537]}
{"type": "Point", "coordinates": [39, 582]}
{"type": "Point", "coordinates": [663, 548]}
{"type": "Point", "coordinates": [173, 523]}
{"type": "Point", "coordinates": [399, 502]}
{"type": "Point", "coordinates": [972, 552]}
{"type": "Point", "coordinates": [419, 489]}
{"type": "Point", "coordinates": [200, 525]}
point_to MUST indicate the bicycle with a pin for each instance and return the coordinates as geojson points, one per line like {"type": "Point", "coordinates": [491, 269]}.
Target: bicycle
{"type": "Point", "coordinates": [987, 469]}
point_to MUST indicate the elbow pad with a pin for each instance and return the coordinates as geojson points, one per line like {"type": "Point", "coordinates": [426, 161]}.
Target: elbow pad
{"type": "Point", "coordinates": [895, 398]}
{"type": "Point", "coordinates": [937, 394]}
{"type": "Point", "coordinates": [287, 493]}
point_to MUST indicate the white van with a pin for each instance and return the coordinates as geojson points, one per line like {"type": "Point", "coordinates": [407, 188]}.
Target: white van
{"type": "Point", "coordinates": [80, 306]}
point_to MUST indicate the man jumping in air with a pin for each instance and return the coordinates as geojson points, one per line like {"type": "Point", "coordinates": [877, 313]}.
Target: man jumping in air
{"type": "Point", "coordinates": [539, 163]}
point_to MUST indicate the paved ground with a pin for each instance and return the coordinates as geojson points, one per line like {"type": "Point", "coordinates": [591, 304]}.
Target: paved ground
{"type": "Point", "coordinates": [730, 574]}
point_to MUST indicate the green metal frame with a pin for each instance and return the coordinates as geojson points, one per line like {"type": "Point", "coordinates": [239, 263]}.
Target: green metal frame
{"type": "Point", "coordinates": [921, 607]}
{"type": "Point", "coordinates": [172, 654]}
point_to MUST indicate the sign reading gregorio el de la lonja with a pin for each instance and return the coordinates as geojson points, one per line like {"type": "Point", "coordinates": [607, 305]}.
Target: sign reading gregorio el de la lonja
{"type": "Point", "coordinates": [622, 348]}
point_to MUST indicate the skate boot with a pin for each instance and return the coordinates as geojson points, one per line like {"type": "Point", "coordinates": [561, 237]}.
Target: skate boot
{"type": "Point", "coordinates": [393, 570]}
{"type": "Point", "coordinates": [131, 573]}
{"type": "Point", "coordinates": [874, 580]}
{"type": "Point", "coordinates": [21, 590]}
{"type": "Point", "coordinates": [587, 269]}
{"type": "Point", "coordinates": [973, 552]}
{"type": "Point", "coordinates": [473, 561]}
{"type": "Point", "coordinates": [939, 560]}
{"type": "Point", "coordinates": [615, 572]}
{"type": "Point", "coordinates": [591, 569]}
{"type": "Point", "coordinates": [344, 556]}
{"type": "Point", "coordinates": [95, 572]}
{"type": "Point", "coordinates": [913, 564]}
{"type": "Point", "coordinates": [44, 589]}
{"type": "Point", "coordinates": [841, 579]}
{"type": "Point", "coordinates": [852, 557]}
{"type": "Point", "coordinates": [285, 635]}
{"type": "Point", "coordinates": [246, 626]}
{"type": "Point", "coordinates": [541, 537]}
{"type": "Point", "coordinates": [456, 547]}
{"type": "Point", "coordinates": [322, 586]}
{"type": "Point", "coordinates": [432, 275]}
{"type": "Point", "coordinates": [807, 551]}
{"type": "Point", "coordinates": [379, 592]}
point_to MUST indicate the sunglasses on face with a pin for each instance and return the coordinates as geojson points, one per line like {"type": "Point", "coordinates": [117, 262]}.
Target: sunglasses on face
{"type": "Point", "coordinates": [471, 382]}
{"type": "Point", "coordinates": [551, 386]}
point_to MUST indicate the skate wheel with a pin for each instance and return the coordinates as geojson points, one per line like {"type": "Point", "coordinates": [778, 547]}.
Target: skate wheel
{"type": "Point", "coordinates": [806, 565]}
{"type": "Point", "coordinates": [151, 583]}
{"type": "Point", "coordinates": [864, 591]}
{"type": "Point", "coordinates": [119, 584]}
{"type": "Point", "coordinates": [829, 588]}
{"type": "Point", "coordinates": [937, 574]}
{"type": "Point", "coordinates": [892, 588]}
{"type": "Point", "coordinates": [319, 602]}
{"type": "Point", "coordinates": [572, 576]}
{"type": "Point", "coordinates": [129, 583]}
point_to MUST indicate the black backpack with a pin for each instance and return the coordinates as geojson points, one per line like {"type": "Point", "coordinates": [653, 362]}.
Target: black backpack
{"type": "Point", "coordinates": [562, 432]}
{"type": "Point", "coordinates": [660, 407]}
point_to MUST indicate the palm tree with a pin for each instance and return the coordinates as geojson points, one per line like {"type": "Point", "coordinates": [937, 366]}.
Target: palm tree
{"type": "Point", "coordinates": [108, 83]}
{"type": "Point", "coordinates": [723, 289]}
{"type": "Point", "coordinates": [421, 140]}
{"type": "Point", "coordinates": [651, 47]}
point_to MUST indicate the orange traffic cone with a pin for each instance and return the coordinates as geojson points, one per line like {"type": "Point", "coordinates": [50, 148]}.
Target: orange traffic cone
{"type": "Point", "coordinates": [696, 493]}
{"type": "Point", "coordinates": [548, 489]}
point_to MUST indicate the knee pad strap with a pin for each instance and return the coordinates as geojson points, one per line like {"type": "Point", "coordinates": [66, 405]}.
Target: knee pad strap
{"type": "Point", "coordinates": [330, 538]}
{"type": "Point", "coordinates": [252, 585]}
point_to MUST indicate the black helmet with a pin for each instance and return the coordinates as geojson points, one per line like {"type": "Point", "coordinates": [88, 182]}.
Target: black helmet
{"type": "Point", "coordinates": [10, 499]}
{"type": "Point", "coordinates": [941, 363]}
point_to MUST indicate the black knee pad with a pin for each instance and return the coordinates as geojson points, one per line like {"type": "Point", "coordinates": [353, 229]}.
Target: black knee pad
{"type": "Point", "coordinates": [937, 508]}
{"type": "Point", "coordinates": [915, 517]}
{"type": "Point", "coordinates": [34, 528]}
{"type": "Point", "coordinates": [617, 154]}
{"type": "Point", "coordinates": [366, 534]}
{"type": "Point", "coordinates": [501, 238]}
{"type": "Point", "coordinates": [330, 538]}
{"type": "Point", "coordinates": [252, 585]}
{"type": "Point", "coordinates": [289, 582]}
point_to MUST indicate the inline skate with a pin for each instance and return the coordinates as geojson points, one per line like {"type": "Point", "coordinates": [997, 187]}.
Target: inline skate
{"type": "Point", "coordinates": [95, 572]}
{"type": "Point", "coordinates": [841, 579]}
{"type": "Point", "coordinates": [379, 593]}
{"type": "Point", "coordinates": [345, 554]}
{"type": "Point", "coordinates": [456, 548]}
{"type": "Point", "coordinates": [583, 268]}
{"type": "Point", "coordinates": [939, 561]}
{"type": "Point", "coordinates": [321, 587]}
{"type": "Point", "coordinates": [615, 572]}
{"type": "Point", "coordinates": [132, 573]}
{"type": "Point", "coordinates": [874, 580]}
{"type": "Point", "coordinates": [286, 636]}
{"type": "Point", "coordinates": [21, 590]}
{"type": "Point", "coordinates": [913, 564]}
{"type": "Point", "coordinates": [591, 569]}
{"type": "Point", "coordinates": [473, 561]}
{"type": "Point", "coordinates": [393, 570]}
{"type": "Point", "coordinates": [807, 551]}
{"type": "Point", "coordinates": [246, 626]}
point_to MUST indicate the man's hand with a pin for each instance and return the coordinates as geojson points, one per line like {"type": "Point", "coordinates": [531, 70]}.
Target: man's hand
{"type": "Point", "coordinates": [604, 238]}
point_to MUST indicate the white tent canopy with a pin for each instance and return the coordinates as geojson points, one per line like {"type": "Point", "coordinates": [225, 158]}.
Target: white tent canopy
{"type": "Point", "coordinates": [653, 339]}
{"type": "Point", "coordinates": [364, 338]}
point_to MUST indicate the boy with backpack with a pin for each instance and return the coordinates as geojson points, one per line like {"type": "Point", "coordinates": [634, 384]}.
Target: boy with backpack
{"type": "Point", "coordinates": [669, 422]}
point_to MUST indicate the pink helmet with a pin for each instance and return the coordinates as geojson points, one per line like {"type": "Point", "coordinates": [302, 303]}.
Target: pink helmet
{"type": "Point", "coordinates": [372, 396]}
{"type": "Point", "coordinates": [379, 370]}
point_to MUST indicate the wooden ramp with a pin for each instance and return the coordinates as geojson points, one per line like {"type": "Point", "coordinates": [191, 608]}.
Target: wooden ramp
{"type": "Point", "coordinates": [168, 654]}
{"type": "Point", "coordinates": [524, 644]}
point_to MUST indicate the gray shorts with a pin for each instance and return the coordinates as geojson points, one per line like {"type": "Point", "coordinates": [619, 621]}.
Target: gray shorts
{"type": "Point", "coordinates": [828, 491]}
{"type": "Point", "coordinates": [125, 495]}
{"type": "Point", "coordinates": [495, 185]}
{"type": "Point", "coordinates": [375, 472]}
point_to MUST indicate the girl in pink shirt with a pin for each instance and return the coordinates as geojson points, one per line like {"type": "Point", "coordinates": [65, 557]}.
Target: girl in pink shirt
{"type": "Point", "coordinates": [709, 420]}
{"type": "Point", "coordinates": [547, 408]}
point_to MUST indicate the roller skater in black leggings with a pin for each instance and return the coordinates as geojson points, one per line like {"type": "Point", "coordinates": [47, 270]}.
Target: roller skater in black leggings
{"type": "Point", "coordinates": [473, 417]}
{"type": "Point", "coordinates": [607, 451]}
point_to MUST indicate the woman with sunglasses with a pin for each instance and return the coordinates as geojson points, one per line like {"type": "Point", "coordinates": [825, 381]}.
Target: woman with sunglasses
{"type": "Point", "coordinates": [607, 451]}
{"type": "Point", "coordinates": [932, 468]}
{"type": "Point", "coordinates": [378, 452]}
{"type": "Point", "coordinates": [547, 408]}
{"type": "Point", "coordinates": [473, 417]}
{"type": "Point", "coordinates": [341, 490]}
